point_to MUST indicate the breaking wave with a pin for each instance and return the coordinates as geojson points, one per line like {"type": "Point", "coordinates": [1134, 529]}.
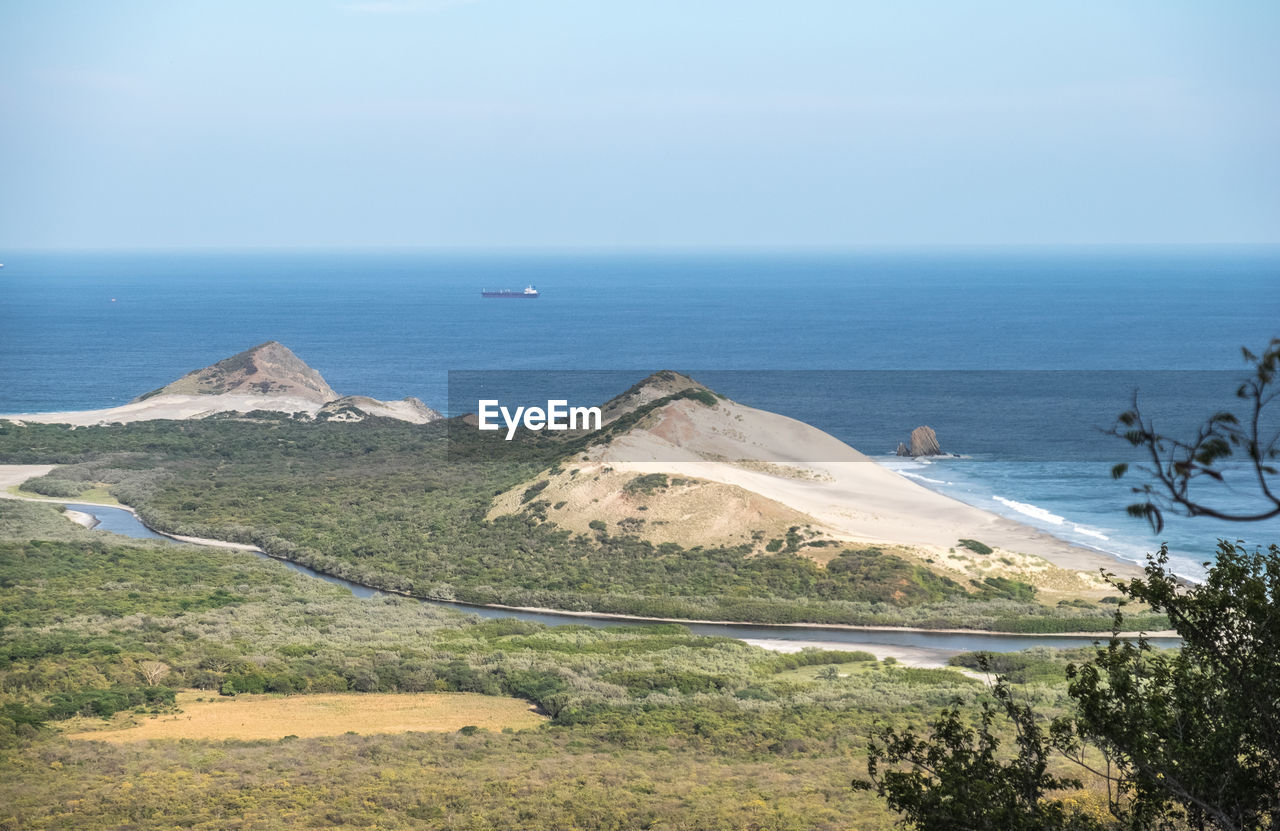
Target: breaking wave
{"type": "Point", "coordinates": [1030, 510]}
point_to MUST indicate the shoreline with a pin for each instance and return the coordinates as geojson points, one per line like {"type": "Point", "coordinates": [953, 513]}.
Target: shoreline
{"type": "Point", "coordinates": [907, 656]}
{"type": "Point", "coordinates": [81, 518]}
{"type": "Point", "coordinates": [840, 627]}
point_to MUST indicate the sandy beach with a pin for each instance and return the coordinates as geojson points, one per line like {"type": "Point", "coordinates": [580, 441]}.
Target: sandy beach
{"type": "Point", "coordinates": [12, 475]}
{"type": "Point", "coordinates": [81, 518]}
{"type": "Point", "coordinates": [911, 656]}
{"type": "Point", "coordinates": [171, 407]}
{"type": "Point", "coordinates": [815, 473]}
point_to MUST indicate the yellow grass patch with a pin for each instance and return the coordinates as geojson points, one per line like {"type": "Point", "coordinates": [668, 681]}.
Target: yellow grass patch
{"type": "Point", "coordinates": [273, 717]}
{"type": "Point", "coordinates": [689, 511]}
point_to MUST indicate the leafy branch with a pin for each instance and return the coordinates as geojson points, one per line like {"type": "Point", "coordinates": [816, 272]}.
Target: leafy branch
{"type": "Point", "coordinates": [1177, 466]}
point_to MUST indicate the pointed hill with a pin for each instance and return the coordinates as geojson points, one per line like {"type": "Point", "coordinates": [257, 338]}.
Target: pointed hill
{"type": "Point", "coordinates": [269, 368]}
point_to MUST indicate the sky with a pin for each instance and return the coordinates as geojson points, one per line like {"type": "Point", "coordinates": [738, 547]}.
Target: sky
{"type": "Point", "coordinates": [620, 124]}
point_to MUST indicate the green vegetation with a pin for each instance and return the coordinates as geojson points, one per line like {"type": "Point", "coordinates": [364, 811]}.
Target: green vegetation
{"type": "Point", "coordinates": [55, 487]}
{"type": "Point", "coordinates": [1014, 590]}
{"type": "Point", "coordinates": [888, 578]}
{"type": "Point", "coordinates": [1181, 738]}
{"type": "Point", "coordinates": [402, 507]}
{"type": "Point", "coordinates": [1036, 665]}
{"type": "Point", "coordinates": [650, 725]}
{"type": "Point", "coordinates": [976, 547]}
{"type": "Point", "coordinates": [647, 483]}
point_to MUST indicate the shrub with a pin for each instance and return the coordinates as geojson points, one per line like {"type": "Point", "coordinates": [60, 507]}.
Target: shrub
{"type": "Point", "coordinates": [1004, 587]}
{"type": "Point", "coordinates": [647, 484]}
{"type": "Point", "coordinates": [58, 488]}
{"type": "Point", "coordinates": [534, 489]}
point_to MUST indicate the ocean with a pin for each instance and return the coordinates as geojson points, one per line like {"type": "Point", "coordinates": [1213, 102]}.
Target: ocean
{"type": "Point", "coordinates": [1018, 358]}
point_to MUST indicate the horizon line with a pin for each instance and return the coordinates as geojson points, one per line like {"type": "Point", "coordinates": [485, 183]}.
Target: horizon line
{"type": "Point", "coordinates": [588, 249]}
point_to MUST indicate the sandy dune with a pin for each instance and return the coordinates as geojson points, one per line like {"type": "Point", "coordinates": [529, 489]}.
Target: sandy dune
{"type": "Point", "coordinates": [202, 406]}
{"type": "Point", "coordinates": [818, 475]}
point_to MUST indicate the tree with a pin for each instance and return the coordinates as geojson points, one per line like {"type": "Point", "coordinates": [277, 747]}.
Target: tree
{"type": "Point", "coordinates": [955, 778]}
{"type": "Point", "coordinates": [153, 672]}
{"type": "Point", "coordinates": [1179, 466]}
{"type": "Point", "coordinates": [1194, 733]}
{"type": "Point", "coordinates": [1188, 738]}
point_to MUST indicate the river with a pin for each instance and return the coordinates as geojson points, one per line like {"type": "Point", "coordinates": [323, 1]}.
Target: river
{"type": "Point", "coordinates": [911, 647]}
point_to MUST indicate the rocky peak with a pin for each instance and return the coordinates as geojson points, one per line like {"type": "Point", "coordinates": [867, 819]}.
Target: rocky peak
{"type": "Point", "coordinates": [270, 368]}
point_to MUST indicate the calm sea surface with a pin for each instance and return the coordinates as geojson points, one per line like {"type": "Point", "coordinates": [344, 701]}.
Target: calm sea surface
{"type": "Point", "coordinates": [1015, 357]}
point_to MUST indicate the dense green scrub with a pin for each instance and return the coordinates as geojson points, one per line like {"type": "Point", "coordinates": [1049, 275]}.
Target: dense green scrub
{"type": "Point", "coordinates": [651, 727]}
{"type": "Point", "coordinates": [402, 507]}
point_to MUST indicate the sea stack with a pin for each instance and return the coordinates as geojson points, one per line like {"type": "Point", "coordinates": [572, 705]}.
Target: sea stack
{"type": "Point", "coordinates": [923, 442]}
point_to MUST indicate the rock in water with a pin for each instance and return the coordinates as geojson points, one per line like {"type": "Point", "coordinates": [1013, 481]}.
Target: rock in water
{"type": "Point", "coordinates": [924, 442]}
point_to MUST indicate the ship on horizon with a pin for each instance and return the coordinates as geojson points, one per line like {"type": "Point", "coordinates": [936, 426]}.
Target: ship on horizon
{"type": "Point", "coordinates": [529, 293]}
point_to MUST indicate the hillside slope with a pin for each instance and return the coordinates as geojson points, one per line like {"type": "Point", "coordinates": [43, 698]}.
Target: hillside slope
{"type": "Point", "coordinates": [692, 467]}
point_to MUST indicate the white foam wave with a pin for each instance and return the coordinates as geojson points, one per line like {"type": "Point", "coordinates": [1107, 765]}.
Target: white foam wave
{"type": "Point", "coordinates": [1089, 532]}
{"type": "Point", "coordinates": [1034, 511]}
{"type": "Point", "coordinates": [925, 478]}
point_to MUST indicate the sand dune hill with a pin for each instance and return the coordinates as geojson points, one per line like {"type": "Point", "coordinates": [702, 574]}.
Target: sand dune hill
{"type": "Point", "coordinates": [749, 475]}
{"type": "Point", "coordinates": [689, 511]}
{"type": "Point", "coordinates": [267, 377]}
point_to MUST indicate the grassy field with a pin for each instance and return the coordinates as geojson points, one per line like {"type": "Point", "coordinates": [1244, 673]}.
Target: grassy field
{"type": "Point", "coordinates": [98, 495]}
{"type": "Point", "coordinates": [249, 717]}
{"type": "Point", "coordinates": [652, 727]}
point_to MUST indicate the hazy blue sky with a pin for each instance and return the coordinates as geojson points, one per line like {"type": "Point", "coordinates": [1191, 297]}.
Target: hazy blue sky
{"type": "Point", "coordinates": [655, 123]}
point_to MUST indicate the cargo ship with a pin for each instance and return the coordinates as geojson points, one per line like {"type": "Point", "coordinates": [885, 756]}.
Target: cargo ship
{"type": "Point", "coordinates": [530, 293]}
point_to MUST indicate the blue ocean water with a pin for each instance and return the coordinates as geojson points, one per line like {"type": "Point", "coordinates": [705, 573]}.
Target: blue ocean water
{"type": "Point", "coordinates": [80, 331]}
